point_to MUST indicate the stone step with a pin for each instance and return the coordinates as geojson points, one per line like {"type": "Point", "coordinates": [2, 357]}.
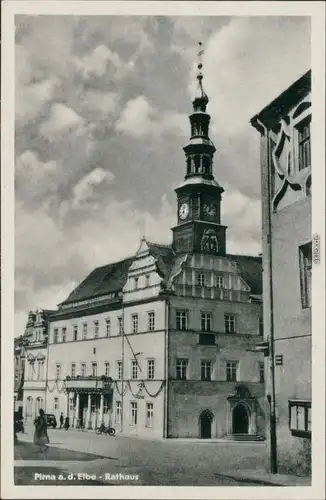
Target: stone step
{"type": "Point", "coordinates": [245, 437]}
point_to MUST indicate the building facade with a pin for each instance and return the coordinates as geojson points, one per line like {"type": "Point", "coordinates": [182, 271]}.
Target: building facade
{"type": "Point", "coordinates": [19, 370]}
{"type": "Point", "coordinates": [35, 362]}
{"type": "Point", "coordinates": [284, 126]}
{"type": "Point", "coordinates": [163, 344]}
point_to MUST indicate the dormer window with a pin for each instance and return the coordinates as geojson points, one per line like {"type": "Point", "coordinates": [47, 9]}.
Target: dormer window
{"type": "Point", "coordinates": [136, 283]}
{"type": "Point", "coordinates": [147, 280]}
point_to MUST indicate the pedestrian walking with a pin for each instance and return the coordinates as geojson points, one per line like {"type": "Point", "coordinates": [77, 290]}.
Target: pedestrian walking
{"type": "Point", "coordinates": [67, 425]}
{"type": "Point", "coordinates": [61, 420]}
{"type": "Point", "coordinates": [41, 438]}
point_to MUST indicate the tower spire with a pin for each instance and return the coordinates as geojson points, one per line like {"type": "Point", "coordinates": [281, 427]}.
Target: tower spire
{"type": "Point", "coordinates": [201, 100]}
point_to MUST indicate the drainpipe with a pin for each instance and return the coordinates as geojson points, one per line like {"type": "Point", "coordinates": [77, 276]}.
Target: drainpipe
{"type": "Point", "coordinates": [270, 346]}
{"type": "Point", "coordinates": [166, 370]}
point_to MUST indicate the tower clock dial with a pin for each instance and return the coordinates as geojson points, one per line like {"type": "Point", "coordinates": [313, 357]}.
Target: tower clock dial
{"type": "Point", "coordinates": [210, 210]}
{"type": "Point", "coordinates": [184, 211]}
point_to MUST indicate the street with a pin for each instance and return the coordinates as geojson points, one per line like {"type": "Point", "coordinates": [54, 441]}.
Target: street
{"type": "Point", "coordinates": [84, 458]}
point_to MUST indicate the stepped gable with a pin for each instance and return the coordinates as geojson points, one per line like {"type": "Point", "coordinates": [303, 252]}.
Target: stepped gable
{"type": "Point", "coordinates": [103, 280]}
{"type": "Point", "coordinates": [250, 268]}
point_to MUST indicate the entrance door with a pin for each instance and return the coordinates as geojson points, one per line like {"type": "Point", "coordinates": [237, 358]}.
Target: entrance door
{"type": "Point", "coordinates": [206, 419]}
{"type": "Point", "coordinates": [240, 419]}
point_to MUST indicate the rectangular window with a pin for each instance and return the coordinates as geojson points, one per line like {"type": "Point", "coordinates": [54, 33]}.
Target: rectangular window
{"type": "Point", "coordinates": [136, 280]}
{"type": "Point", "coordinates": [134, 323]}
{"type": "Point", "coordinates": [84, 331]}
{"type": "Point", "coordinates": [201, 279]}
{"type": "Point", "coordinates": [83, 369]}
{"type": "Point", "coordinates": [57, 370]}
{"type": "Point", "coordinates": [134, 369]}
{"type": "Point", "coordinates": [134, 413]}
{"type": "Point", "coordinates": [96, 329]}
{"type": "Point", "coordinates": [56, 404]}
{"type": "Point", "coordinates": [75, 332]}
{"type": "Point", "coordinates": [120, 325]}
{"type": "Point", "coordinates": [305, 256]}
{"type": "Point", "coordinates": [55, 335]}
{"type": "Point", "coordinates": [206, 370]}
{"type": "Point", "coordinates": [64, 334]}
{"type": "Point", "coordinates": [94, 369]}
{"type": "Point", "coordinates": [261, 327]}
{"type": "Point", "coordinates": [207, 339]}
{"type": "Point", "coordinates": [220, 281]}
{"type": "Point", "coordinates": [73, 369]}
{"type": "Point", "coordinates": [118, 412]}
{"type": "Point", "coordinates": [300, 418]}
{"type": "Point", "coordinates": [206, 322]}
{"type": "Point", "coordinates": [106, 405]}
{"type": "Point", "coordinates": [304, 144]}
{"type": "Point", "coordinates": [229, 322]}
{"type": "Point", "coordinates": [149, 415]}
{"type": "Point", "coordinates": [151, 321]}
{"type": "Point", "coordinates": [119, 370]}
{"type": "Point", "coordinates": [108, 327]}
{"type": "Point", "coordinates": [261, 373]}
{"type": "Point", "coordinates": [181, 320]}
{"type": "Point", "coordinates": [107, 369]}
{"type": "Point", "coordinates": [232, 371]}
{"type": "Point", "coordinates": [147, 280]}
{"type": "Point", "coordinates": [151, 368]}
{"type": "Point", "coordinates": [181, 369]}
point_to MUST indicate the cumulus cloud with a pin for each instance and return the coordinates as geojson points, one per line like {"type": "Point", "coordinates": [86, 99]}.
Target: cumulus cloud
{"type": "Point", "coordinates": [140, 119]}
{"type": "Point", "coordinates": [100, 61]}
{"type": "Point", "coordinates": [62, 120]}
{"type": "Point", "coordinates": [84, 190]}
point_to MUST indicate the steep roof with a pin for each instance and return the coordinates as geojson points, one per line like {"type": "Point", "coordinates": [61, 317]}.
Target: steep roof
{"type": "Point", "coordinates": [112, 277]}
{"type": "Point", "coordinates": [250, 268]}
{"type": "Point", "coordinates": [280, 106]}
{"type": "Point", "coordinates": [103, 280]}
{"type": "Point", "coordinates": [164, 256]}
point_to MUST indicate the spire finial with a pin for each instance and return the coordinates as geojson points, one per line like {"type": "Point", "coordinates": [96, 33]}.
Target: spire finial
{"type": "Point", "coordinates": [200, 62]}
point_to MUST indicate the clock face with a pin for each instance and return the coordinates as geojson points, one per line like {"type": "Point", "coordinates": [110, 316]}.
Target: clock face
{"type": "Point", "coordinates": [210, 210]}
{"type": "Point", "coordinates": [184, 211]}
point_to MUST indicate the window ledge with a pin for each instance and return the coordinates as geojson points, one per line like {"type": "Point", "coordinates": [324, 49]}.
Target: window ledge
{"type": "Point", "coordinates": [304, 434]}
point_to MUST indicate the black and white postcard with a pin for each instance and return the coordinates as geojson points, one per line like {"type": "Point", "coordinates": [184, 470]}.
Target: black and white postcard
{"type": "Point", "coordinates": [163, 262]}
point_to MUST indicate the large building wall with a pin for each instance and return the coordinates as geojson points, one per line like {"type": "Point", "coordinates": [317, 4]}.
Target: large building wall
{"type": "Point", "coordinates": [102, 350]}
{"type": "Point", "coordinates": [290, 219]}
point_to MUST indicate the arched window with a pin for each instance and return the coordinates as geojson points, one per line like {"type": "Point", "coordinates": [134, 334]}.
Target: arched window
{"type": "Point", "coordinates": [206, 164]}
{"type": "Point", "coordinates": [188, 165]}
{"type": "Point", "coordinates": [29, 406]}
{"type": "Point", "coordinates": [197, 164]}
{"type": "Point", "coordinates": [38, 405]}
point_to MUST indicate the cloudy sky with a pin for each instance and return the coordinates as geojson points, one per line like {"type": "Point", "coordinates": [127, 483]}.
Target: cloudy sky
{"type": "Point", "coordinates": [102, 107]}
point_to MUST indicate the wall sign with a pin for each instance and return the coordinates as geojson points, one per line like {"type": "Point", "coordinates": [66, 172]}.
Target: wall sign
{"type": "Point", "coordinates": [279, 359]}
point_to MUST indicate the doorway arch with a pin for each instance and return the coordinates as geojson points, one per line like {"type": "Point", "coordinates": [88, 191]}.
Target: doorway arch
{"type": "Point", "coordinates": [205, 424]}
{"type": "Point", "coordinates": [240, 419]}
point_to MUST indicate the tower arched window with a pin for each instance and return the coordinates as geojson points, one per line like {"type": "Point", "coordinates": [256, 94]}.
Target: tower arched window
{"type": "Point", "coordinates": [206, 164]}
{"type": "Point", "coordinates": [197, 164]}
{"type": "Point", "coordinates": [188, 165]}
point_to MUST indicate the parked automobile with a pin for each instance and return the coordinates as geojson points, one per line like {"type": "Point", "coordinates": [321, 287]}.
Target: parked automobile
{"type": "Point", "coordinates": [51, 421]}
{"type": "Point", "coordinates": [19, 425]}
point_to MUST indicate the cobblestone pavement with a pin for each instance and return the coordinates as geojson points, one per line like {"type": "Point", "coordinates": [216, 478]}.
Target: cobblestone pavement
{"type": "Point", "coordinates": [123, 460]}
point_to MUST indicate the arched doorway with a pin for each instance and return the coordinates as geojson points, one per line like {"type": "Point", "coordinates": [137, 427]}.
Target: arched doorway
{"type": "Point", "coordinates": [205, 423]}
{"type": "Point", "coordinates": [240, 419]}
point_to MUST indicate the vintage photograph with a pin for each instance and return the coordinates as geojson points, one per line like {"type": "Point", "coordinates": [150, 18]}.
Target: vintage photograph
{"type": "Point", "coordinates": [163, 250]}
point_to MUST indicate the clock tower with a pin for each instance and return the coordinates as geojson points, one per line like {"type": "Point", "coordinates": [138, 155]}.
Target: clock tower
{"type": "Point", "coordinates": [199, 228]}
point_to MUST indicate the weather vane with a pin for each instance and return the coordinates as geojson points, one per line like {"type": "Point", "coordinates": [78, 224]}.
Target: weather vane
{"type": "Point", "coordinates": [200, 53]}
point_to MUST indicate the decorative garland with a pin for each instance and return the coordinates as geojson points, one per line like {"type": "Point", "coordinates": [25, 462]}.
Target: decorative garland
{"type": "Point", "coordinates": [56, 385]}
{"type": "Point", "coordinates": [123, 392]}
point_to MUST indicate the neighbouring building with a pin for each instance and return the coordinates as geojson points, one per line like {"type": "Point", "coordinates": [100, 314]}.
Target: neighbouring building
{"type": "Point", "coordinates": [284, 125]}
{"type": "Point", "coordinates": [19, 368]}
{"type": "Point", "coordinates": [163, 343]}
{"type": "Point", "coordinates": [35, 340]}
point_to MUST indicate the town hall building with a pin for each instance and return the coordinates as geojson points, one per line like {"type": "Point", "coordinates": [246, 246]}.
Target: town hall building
{"type": "Point", "coordinates": [163, 344]}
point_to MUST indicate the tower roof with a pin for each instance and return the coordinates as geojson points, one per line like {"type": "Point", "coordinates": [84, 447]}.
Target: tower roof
{"type": "Point", "coordinates": [200, 98]}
